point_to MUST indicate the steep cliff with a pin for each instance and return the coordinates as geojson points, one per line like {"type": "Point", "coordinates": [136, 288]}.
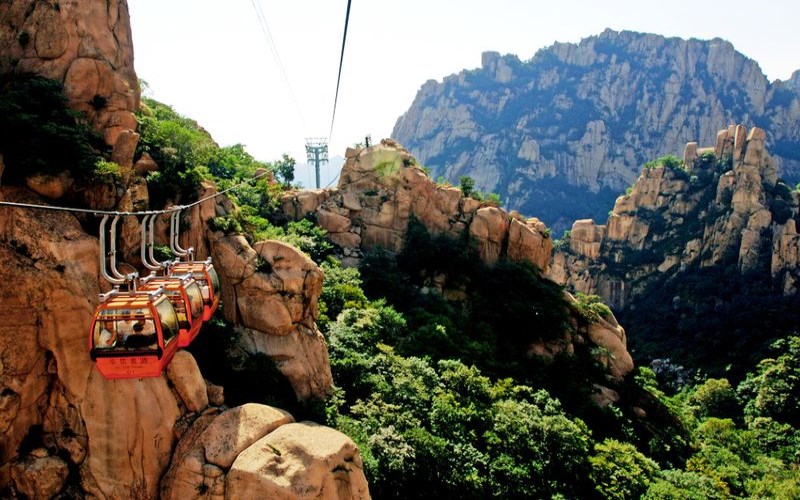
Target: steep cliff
{"type": "Point", "coordinates": [704, 237]}
{"type": "Point", "coordinates": [68, 429]}
{"type": "Point", "coordinates": [560, 135]}
{"type": "Point", "coordinates": [86, 46]}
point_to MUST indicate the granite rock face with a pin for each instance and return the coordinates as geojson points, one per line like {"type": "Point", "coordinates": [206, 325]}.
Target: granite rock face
{"type": "Point", "coordinates": [728, 208]}
{"type": "Point", "coordinates": [86, 46]}
{"type": "Point", "coordinates": [382, 188]}
{"type": "Point", "coordinates": [572, 126]}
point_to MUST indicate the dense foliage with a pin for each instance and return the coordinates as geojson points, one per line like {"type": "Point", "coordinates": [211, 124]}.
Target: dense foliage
{"type": "Point", "coordinates": [497, 312]}
{"type": "Point", "coordinates": [428, 428]}
{"type": "Point", "coordinates": [39, 133]}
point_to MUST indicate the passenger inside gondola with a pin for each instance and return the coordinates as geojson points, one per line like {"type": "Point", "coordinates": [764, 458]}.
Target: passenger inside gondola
{"type": "Point", "coordinates": [105, 335]}
{"type": "Point", "coordinates": [142, 336]}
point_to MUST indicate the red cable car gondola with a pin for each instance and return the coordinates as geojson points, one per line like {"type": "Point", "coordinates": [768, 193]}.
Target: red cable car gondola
{"type": "Point", "coordinates": [133, 334]}
{"type": "Point", "coordinates": [187, 299]}
{"type": "Point", "coordinates": [203, 271]}
{"type": "Point", "coordinates": [207, 278]}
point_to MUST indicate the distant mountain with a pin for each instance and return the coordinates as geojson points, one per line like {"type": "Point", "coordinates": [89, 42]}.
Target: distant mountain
{"type": "Point", "coordinates": [561, 135]}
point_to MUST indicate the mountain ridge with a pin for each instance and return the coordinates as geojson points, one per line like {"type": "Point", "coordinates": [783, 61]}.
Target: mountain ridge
{"type": "Point", "coordinates": [559, 135]}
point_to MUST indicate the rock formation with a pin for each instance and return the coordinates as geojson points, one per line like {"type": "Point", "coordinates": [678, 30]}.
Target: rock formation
{"type": "Point", "coordinates": [560, 135]}
{"type": "Point", "coordinates": [66, 429]}
{"type": "Point", "coordinates": [256, 451]}
{"type": "Point", "coordinates": [700, 216]}
{"type": "Point", "coordinates": [700, 259]}
{"type": "Point", "coordinates": [85, 45]}
{"type": "Point", "coordinates": [382, 187]}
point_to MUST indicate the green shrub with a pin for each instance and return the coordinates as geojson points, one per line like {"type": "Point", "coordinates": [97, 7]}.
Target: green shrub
{"type": "Point", "coordinates": [467, 185]}
{"type": "Point", "coordinates": [178, 145]}
{"type": "Point", "coordinates": [671, 162]}
{"type": "Point", "coordinates": [619, 471]}
{"type": "Point", "coordinates": [591, 307]}
{"type": "Point", "coordinates": [107, 171]}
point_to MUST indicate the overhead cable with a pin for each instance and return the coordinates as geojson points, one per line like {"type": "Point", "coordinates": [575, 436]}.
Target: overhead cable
{"type": "Point", "coordinates": [262, 21]}
{"type": "Point", "coordinates": [341, 62]}
{"type": "Point", "coordinates": [175, 208]}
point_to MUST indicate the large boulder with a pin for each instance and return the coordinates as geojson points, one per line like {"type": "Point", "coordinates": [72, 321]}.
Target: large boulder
{"type": "Point", "coordinates": [303, 460]}
{"type": "Point", "coordinates": [256, 451]}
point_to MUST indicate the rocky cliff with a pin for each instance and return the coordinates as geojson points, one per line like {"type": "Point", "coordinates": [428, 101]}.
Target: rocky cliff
{"type": "Point", "coordinates": [66, 429]}
{"type": "Point", "coordinates": [381, 188]}
{"type": "Point", "coordinates": [560, 135]}
{"type": "Point", "coordinates": [86, 46]}
{"type": "Point", "coordinates": [722, 215]}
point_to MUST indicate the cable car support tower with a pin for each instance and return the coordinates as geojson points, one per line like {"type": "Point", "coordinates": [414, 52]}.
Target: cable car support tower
{"type": "Point", "coordinates": [317, 151]}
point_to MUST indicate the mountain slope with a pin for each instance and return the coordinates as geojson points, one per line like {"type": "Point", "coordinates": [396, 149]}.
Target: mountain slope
{"type": "Point", "coordinates": [560, 135]}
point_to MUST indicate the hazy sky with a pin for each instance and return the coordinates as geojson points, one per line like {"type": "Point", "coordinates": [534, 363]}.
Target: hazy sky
{"type": "Point", "coordinates": [211, 61]}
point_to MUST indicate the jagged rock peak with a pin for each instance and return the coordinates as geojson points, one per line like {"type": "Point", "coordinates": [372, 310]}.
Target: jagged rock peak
{"type": "Point", "coordinates": [571, 127]}
{"type": "Point", "coordinates": [715, 208]}
{"type": "Point", "coordinates": [382, 187]}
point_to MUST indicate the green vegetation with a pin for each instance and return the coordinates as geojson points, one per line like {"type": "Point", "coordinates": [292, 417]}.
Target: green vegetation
{"type": "Point", "coordinates": [178, 145]}
{"type": "Point", "coordinates": [284, 168]}
{"type": "Point", "coordinates": [671, 162]}
{"type": "Point", "coordinates": [107, 171]}
{"type": "Point", "coordinates": [40, 134]}
{"type": "Point", "coordinates": [432, 416]}
{"type": "Point", "coordinates": [467, 185]}
{"type": "Point", "coordinates": [591, 307]}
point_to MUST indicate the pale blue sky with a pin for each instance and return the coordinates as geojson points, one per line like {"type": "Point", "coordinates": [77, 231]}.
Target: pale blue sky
{"type": "Point", "coordinates": [210, 60]}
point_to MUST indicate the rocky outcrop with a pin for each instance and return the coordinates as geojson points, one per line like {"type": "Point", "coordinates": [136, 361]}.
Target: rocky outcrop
{"type": "Point", "coordinates": [382, 187]}
{"type": "Point", "coordinates": [559, 135]}
{"type": "Point", "coordinates": [271, 290]}
{"type": "Point", "coordinates": [57, 413]}
{"type": "Point", "coordinates": [256, 451]}
{"type": "Point", "coordinates": [727, 208]}
{"type": "Point", "coordinates": [300, 458]}
{"type": "Point", "coordinates": [85, 45]}
{"type": "Point", "coordinates": [117, 434]}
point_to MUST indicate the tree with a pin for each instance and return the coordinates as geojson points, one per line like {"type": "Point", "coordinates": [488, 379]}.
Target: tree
{"type": "Point", "coordinates": [284, 168]}
{"type": "Point", "coordinates": [467, 185]}
{"type": "Point", "coordinates": [620, 471]}
{"type": "Point", "coordinates": [773, 390]}
{"type": "Point", "coordinates": [682, 485]}
{"type": "Point", "coordinates": [715, 398]}
{"type": "Point", "coordinates": [38, 131]}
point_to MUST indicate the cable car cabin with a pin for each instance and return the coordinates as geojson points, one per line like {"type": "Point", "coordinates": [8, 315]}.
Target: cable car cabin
{"type": "Point", "coordinates": [207, 278]}
{"type": "Point", "coordinates": [133, 335]}
{"type": "Point", "coordinates": [187, 299]}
